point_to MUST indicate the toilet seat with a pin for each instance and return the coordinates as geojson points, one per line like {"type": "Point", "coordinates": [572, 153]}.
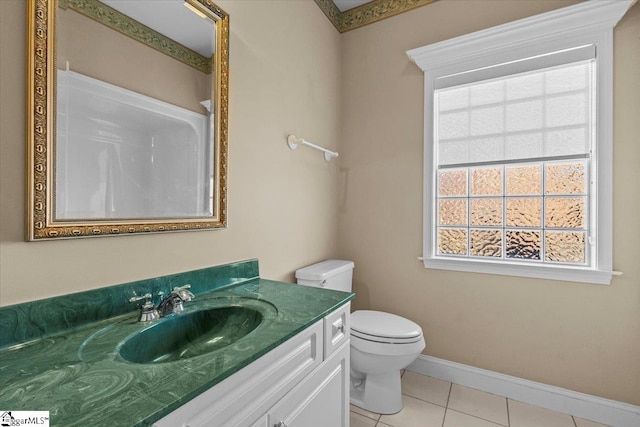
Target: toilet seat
{"type": "Point", "coordinates": [377, 332]}
{"type": "Point", "coordinates": [387, 349]}
{"type": "Point", "coordinates": [384, 327]}
{"type": "Point", "coordinates": [384, 340]}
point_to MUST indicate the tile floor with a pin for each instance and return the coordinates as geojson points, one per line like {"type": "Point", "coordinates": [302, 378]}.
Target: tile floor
{"type": "Point", "coordinates": [429, 402]}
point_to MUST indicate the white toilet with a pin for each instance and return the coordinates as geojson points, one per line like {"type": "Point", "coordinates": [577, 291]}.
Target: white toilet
{"type": "Point", "coordinates": [381, 343]}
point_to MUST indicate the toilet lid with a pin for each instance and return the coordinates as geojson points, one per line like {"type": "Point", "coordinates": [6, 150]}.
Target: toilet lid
{"type": "Point", "coordinates": [383, 325]}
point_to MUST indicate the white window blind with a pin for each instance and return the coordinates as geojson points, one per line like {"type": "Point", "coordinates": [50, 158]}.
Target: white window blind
{"type": "Point", "coordinates": [533, 115]}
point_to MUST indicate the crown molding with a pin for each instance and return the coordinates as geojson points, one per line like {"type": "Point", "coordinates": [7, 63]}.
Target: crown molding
{"type": "Point", "coordinates": [558, 24]}
{"type": "Point", "coordinates": [367, 13]}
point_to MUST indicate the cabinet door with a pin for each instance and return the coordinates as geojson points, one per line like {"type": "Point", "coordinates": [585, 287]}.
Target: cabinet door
{"type": "Point", "coordinates": [244, 398]}
{"type": "Point", "coordinates": [321, 400]}
{"type": "Point", "coordinates": [336, 329]}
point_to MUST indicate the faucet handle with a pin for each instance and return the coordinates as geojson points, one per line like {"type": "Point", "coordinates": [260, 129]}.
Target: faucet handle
{"type": "Point", "coordinates": [184, 293]}
{"type": "Point", "coordinates": [137, 298]}
{"type": "Point", "coordinates": [147, 309]}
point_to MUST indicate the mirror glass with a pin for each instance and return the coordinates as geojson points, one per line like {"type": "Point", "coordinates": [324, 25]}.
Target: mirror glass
{"type": "Point", "coordinates": [135, 106]}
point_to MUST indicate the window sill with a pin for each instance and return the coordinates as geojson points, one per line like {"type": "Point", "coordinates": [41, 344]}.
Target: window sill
{"type": "Point", "coordinates": [571, 274]}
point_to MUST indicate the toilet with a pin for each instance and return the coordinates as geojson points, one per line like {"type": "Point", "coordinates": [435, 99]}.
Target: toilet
{"type": "Point", "coordinates": [381, 343]}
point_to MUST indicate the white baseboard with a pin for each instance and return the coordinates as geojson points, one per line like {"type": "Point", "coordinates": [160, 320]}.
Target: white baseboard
{"type": "Point", "coordinates": [610, 412]}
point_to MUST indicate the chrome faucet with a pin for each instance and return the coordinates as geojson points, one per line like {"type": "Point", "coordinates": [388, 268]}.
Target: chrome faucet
{"type": "Point", "coordinates": [173, 303]}
{"type": "Point", "coordinates": [147, 310]}
{"type": "Point", "coordinates": [184, 293]}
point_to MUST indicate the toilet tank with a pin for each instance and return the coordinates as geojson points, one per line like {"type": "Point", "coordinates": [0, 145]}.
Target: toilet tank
{"type": "Point", "coordinates": [331, 274]}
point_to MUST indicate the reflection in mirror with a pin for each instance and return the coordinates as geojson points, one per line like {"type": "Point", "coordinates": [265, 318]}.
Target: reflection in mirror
{"type": "Point", "coordinates": [140, 90]}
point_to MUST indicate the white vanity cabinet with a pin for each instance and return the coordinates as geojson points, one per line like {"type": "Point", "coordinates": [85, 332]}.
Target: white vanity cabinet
{"type": "Point", "coordinates": [304, 382]}
{"type": "Point", "coordinates": [320, 400]}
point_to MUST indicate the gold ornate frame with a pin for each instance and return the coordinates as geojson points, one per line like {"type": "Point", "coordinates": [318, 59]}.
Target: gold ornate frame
{"type": "Point", "coordinates": [41, 65]}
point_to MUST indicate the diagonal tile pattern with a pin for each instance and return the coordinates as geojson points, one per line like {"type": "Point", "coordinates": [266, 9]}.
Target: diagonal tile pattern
{"type": "Point", "coordinates": [429, 402]}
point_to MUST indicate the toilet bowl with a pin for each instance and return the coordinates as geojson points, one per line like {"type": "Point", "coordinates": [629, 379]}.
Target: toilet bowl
{"type": "Point", "coordinates": [381, 343]}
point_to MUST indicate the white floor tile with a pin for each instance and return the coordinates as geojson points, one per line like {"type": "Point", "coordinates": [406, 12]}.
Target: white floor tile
{"type": "Point", "coordinates": [364, 412]}
{"type": "Point", "coordinates": [581, 422]}
{"type": "Point", "coordinates": [458, 419]}
{"type": "Point", "coordinates": [415, 413]}
{"type": "Point", "coordinates": [425, 399]}
{"type": "Point", "coordinates": [357, 420]}
{"type": "Point", "coordinates": [425, 388]}
{"type": "Point", "coordinates": [479, 404]}
{"type": "Point", "coordinates": [525, 415]}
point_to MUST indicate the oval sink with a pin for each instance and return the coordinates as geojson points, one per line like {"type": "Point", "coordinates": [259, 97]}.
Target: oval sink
{"type": "Point", "coordinates": [190, 334]}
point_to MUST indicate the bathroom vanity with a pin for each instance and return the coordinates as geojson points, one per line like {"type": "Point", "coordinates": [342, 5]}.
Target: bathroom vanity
{"type": "Point", "coordinates": [303, 382]}
{"type": "Point", "coordinates": [268, 354]}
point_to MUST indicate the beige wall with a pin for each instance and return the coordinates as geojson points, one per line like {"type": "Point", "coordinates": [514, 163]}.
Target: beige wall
{"type": "Point", "coordinates": [578, 336]}
{"type": "Point", "coordinates": [284, 77]}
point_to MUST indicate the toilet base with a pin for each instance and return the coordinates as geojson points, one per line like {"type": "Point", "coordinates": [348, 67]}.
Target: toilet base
{"type": "Point", "coordinates": [381, 393]}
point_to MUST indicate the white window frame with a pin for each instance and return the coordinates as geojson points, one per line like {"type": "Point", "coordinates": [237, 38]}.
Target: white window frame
{"type": "Point", "coordinates": [587, 23]}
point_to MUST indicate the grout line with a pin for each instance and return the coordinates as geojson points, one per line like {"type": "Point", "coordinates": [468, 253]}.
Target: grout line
{"type": "Point", "coordinates": [425, 401]}
{"type": "Point", "coordinates": [475, 416]}
{"type": "Point", "coordinates": [575, 423]}
{"type": "Point", "coordinates": [479, 418]}
{"type": "Point", "coordinates": [446, 405]}
{"type": "Point", "coordinates": [508, 415]}
{"type": "Point", "coordinates": [428, 401]}
{"type": "Point", "coordinates": [368, 417]}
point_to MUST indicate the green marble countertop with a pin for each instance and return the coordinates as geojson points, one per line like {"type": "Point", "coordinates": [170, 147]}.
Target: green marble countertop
{"type": "Point", "coordinates": [78, 375]}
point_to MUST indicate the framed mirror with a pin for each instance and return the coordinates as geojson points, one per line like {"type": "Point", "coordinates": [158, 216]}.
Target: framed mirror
{"type": "Point", "coordinates": [127, 117]}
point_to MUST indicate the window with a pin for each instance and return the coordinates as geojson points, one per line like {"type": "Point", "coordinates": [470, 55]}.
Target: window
{"type": "Point", "coordinates": [518, 146]}
{"type": "Point", "coordinates": [512, 166]}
